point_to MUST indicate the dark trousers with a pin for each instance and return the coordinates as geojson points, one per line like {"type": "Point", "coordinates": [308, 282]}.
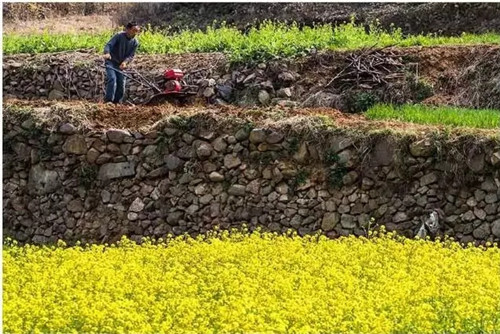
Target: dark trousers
{"type": "Point", "coordinates": [115, 84]}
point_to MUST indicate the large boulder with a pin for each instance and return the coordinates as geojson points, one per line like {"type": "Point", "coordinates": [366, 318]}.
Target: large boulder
{"type": "Point", "coordinates": [257, 136]}
{"type": "Point", "coordinates": [476, 162]}
{"type": "Point", "coordinates": [203, 149]}
{"type": "Point", "coordinates": [422, 148]}
{"type": "Point", "coordinates": [55, 94]}
{"type": "Point", "coordinates": [117, 135]}
{"type": "Point", "coordinates": [495, 228]}
{"type": "Point", "coordinates": [173, 163]}
{"type": "Point", "coordinates": [42, 180]}
{"type": "Point", "coordinates": [428, 178]}
{"type": "Point", "coordinates": [264, 97]}
{"type": "Point", "coordinates": [231, 161]}
{"type": "Point", "coordinates": [324, 99]}
{"type": "Point", "coordinates": [117, 170]}
{"type": "Point", "coordinates": [75, 145]}
{"type": "Point", "coordinates": [383, 152]}
{"type": "Point", "coordinates": [329, 221]}
{"type": "Point", "coordinates": [495, 158]}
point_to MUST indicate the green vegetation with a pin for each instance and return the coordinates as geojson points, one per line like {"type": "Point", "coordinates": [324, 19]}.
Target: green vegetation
{"type": "Point", "coordinates": [182, 122]}
{"type": "Point", "coordinates": [475, 118]}
{"type": "Point", "coordinates": [87, 175]}
{"type": "Point", "coordinates": [269, 40]}
{"type": "Point", "coordinates": [361, 101]}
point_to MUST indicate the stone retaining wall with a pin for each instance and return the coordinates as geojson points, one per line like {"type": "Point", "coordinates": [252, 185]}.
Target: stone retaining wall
{"type": "Point", "coordinates": [193, 173]}
{"type": "Point", "coordinates": [324, 80]}
{"type": "Point", "coordinates": [80, 75]}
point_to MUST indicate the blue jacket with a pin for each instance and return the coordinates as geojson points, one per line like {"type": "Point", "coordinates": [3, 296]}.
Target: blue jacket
{"type": "Point", "coordinates": [121, 48]}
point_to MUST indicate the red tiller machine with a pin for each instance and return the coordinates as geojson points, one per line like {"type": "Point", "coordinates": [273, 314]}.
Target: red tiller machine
{"type": "Point", "coordinates": [172, 78]}
{"type": "Point", "coordinates": [175, 88]}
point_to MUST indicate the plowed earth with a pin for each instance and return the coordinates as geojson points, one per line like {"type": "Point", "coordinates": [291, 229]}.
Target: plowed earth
{"type": "Point", "coordinates": [461, 75]}
{"type": "Point", "coordinates": [98, 116]}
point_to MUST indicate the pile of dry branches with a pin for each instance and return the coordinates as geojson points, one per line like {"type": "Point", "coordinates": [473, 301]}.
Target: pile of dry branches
{"type": "Point", "coordinates": [369, 70]}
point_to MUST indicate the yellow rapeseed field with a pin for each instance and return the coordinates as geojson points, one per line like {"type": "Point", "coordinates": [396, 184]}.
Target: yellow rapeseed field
{"type": "Point", "coordinates": [253, 283]}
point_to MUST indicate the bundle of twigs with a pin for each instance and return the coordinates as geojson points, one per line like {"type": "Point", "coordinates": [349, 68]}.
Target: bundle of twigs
{"type": "Point", "coordinates": [369, 69]}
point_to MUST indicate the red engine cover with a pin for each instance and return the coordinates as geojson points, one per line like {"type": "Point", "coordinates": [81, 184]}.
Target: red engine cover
{"type": "Point", "coordinates": [173, 74]}
{"type": "Point", "coordinates": [172, 86]}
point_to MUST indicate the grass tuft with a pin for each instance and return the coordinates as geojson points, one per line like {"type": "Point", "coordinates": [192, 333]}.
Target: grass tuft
{"type": "Point", "coordinates": [451, 116]}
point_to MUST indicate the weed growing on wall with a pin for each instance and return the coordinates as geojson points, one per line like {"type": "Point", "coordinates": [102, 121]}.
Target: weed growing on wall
{"type": "Point", "coordinates": [336, 169]}
{"type": "Point", "coordinates": [87, 175]}
{"type": "Point", "coordinates": [293, 145]}
{"type": "Point", "coordinates": [300, 179]}
{"type": "Point", "coordinates": [182, 122]}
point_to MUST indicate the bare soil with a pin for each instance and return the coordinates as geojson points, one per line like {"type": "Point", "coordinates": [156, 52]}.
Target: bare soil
{"type": "Point", "coordinates": [98, 116]}
{"type": "Point", "coordinates": [465, 76]}
{"type": "Point", "coordinates": [61, 25]}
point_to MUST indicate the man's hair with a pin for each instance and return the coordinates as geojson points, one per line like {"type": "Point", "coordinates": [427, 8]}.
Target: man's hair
{"type": "Point", "coordinates": [131, 24]}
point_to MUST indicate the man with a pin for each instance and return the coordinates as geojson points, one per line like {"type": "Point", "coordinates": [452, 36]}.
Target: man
{"type": "Point", "coordinates": [118, 53]}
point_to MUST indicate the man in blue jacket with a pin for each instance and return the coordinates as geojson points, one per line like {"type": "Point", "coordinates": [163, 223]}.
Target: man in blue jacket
{"type": "Point", "coordinates": [118, 53]}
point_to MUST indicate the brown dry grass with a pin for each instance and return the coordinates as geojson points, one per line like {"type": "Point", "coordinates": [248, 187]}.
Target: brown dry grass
{"type": "Point", "coordinates": [102, 116]}
{"type": "Point", "coordinates": [61, 25]}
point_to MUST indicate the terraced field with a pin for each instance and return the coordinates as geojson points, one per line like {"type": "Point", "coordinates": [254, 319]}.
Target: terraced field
{"type": "Point", "coordinates": [318, 136]}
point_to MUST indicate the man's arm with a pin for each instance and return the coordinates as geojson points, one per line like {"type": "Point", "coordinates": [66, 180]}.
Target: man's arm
{"type": "Point", "coordinates": [110, 44]}
{"type": "Point", "coordinates": [132, 54]}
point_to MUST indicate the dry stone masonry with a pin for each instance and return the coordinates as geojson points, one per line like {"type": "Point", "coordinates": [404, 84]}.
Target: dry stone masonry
{"type": "Point", "coordinates": [191, 174]}
{"type": "Point", "coordinates": [348, 81]}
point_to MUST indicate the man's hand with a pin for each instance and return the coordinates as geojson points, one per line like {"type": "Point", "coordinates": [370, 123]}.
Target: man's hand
{"type": "Point", "coordinates": [107, 56]}
{"type": "Point", "coordinates": [123, 66]}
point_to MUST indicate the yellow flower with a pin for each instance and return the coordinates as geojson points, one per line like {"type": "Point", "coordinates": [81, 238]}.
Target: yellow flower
{"type": "Point", "coordinates": [235, 282]}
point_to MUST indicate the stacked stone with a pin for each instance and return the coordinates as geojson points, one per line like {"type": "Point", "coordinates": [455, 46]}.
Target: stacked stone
{"type": "Point", "coordinates": [97, 186]}
{"type": "Point", "coordinates": [60, 77]}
